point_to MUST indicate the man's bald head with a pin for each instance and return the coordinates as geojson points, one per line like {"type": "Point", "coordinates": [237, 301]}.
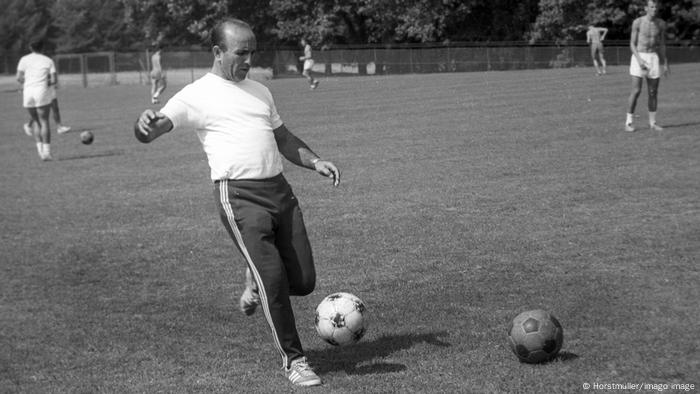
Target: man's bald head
{"type": "Point", "coordinates": [228, 26]}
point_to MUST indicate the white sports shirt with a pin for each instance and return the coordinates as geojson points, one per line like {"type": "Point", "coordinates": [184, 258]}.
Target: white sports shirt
{"type": "Point", "coordinates": [234, 122]}
{"type": "Point", "coordinates": [36, 68]}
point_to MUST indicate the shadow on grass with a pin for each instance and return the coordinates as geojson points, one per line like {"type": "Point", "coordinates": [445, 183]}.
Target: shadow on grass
{"type": "Point", "coordinates": [565, 356]}
{"type": "Point", "coordinates": [91, 155]}
{"type": "Point", "coordinates": [363, 358]}
{"type": "Point", "coordinates": [561, 357]}
{"type": "Point", "coordinates": [671, 126]}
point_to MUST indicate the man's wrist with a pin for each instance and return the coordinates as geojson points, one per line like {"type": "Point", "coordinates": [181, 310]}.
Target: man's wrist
{"type": "Point", "coordinates": [315, 160]}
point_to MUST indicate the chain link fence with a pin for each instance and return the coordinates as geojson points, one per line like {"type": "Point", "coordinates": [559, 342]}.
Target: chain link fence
{"type": "Point", "coordinates": [110, 68]}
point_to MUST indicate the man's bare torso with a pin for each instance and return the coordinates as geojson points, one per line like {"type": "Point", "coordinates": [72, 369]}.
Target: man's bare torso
{"type": "Point", "coordinates": [594, 35]}
{"type": "Point", "coordinates": [649, 33]}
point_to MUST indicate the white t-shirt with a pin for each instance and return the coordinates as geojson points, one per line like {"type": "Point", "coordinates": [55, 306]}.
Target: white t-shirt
{"type": "Point", "coordinates": [36, 68]}
{"type": "Point", "coordinates": [235, 123]}
{"type": "Point", "coordinates": [36, 91]}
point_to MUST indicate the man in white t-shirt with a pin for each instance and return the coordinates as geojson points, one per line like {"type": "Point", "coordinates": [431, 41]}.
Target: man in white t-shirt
{"type": "Point", "coordinates": [308, 60]}
{"type": "Point", "coordinates": [37, 74]}
{"type": "Point", "coordinates": [244, 138]}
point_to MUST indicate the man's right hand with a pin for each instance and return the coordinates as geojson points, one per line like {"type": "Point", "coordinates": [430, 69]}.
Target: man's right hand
{"type": "Point", "coordinates": [150, 125]}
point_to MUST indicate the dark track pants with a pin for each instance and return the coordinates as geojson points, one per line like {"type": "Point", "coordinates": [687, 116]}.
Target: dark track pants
{"type": "Point", "coordinates": [265, 222]}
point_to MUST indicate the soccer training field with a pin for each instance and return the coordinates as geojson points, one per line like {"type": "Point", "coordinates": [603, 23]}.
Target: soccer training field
{"type": "Point", "coordinates": [465, 199]}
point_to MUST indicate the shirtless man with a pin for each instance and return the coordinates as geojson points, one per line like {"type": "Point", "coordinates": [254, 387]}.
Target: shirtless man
{"type": "Point", "coordinates": [648, 45]}
{"type": "Point", "coordinates": [595, 37]}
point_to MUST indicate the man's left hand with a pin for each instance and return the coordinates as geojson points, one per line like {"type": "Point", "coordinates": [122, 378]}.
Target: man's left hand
{"type": "Point", "coordinates": [326, 168]}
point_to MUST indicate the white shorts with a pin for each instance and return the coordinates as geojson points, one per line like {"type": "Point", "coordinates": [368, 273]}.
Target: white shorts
{"type": "Point", "coordinates": [38, 96]}
{"type": "Point", "coordinates": [308, 63]}
{"type": "Point", "coordinates": [652, 60]}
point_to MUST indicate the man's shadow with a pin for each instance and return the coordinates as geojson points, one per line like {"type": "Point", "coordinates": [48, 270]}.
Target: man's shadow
{"type": "Point", "coordinates": [361, 358]}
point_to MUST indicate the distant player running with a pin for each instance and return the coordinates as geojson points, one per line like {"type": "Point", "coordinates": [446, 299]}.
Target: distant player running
{"type": "Point", "coordinates": [37, 74]}
{"type": "Point", "coordinates": [158, 79]}
{"type": "Point", "coordinates": [308, 64]}
{"type": "Point", "coordinates": [648, 45]}
{"type": "Point", "coordinates": [595, 37]}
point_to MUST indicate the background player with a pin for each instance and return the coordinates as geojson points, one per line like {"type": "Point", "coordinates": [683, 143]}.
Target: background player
{"type": "Point", "coordinates": [308, 60]}
{"type": "Point", "coordinates": [60, 128]}
{"type": "Point", "coordinates": [648, 45]}
{"type": "Point", "coordinates": [158, 79]}
{"type": "Point", "coordinates": [37, 74]}
{"type": "Point", "coordinates": [595, 37]}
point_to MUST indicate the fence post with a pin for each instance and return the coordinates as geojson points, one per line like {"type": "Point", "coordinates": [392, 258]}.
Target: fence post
{"type": "Point", "coordinates": [374, 57]}
{"type": "Point", "coordinates": [83, 69]}
{"type": "Point", "coordinates": [488, 59]}
{"type": "Point", "coordinates": [448, 64]}
{"type": "Point", "coordinates": [112, 68]}
{"type": "Point", "coordinates": [191, 68]}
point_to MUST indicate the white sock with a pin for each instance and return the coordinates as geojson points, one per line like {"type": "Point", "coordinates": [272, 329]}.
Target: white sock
{"type": "Point", "coordinates": [40, 148]}
{"type": "Point", "coordinates": [652, 118]}
{"type": "Point", "coordinates": [47, 149]}
{"type": "Point", "coordinates": [630, 118]}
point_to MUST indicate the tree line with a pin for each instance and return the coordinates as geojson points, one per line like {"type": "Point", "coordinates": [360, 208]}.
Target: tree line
{"type": "Point", "coordinates": [122, 25]}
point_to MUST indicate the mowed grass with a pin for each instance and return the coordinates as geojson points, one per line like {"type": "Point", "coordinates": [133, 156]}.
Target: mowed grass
{"type": "Point", "coordinates": [465, 199]}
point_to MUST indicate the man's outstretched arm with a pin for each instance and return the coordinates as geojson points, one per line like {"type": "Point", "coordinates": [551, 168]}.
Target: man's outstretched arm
{"type": "Point", "coordinates": [151, 125]}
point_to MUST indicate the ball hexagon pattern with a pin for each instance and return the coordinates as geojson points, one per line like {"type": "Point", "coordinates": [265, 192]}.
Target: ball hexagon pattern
{"type": "Point", "coordinates": [535, 336]}
{"type": "Point", "coordinates": [341, 319]}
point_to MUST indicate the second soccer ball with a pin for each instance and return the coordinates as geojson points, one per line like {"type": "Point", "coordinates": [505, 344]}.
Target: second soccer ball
{"type": "Point", "coordinates": [86, 137]}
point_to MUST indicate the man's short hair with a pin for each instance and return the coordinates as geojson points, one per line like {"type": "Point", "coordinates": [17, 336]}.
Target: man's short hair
{"type": "Point", "coordinates": [36, 45]}
{"type": "Point", "coordinates": [217, 35]}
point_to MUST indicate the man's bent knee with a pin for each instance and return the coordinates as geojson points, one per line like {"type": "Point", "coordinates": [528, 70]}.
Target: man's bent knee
{"type": "Point", "coordinates": [304, 288]}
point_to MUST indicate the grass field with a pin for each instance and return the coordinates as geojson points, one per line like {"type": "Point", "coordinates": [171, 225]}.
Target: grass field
{"type": "Point", "coordinates": [465, 200]}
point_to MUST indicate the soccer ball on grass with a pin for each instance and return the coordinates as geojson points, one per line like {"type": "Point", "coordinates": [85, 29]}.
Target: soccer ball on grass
{"type": "Point", "coordinates": [535, 336]}
{"type": "Point", "coordinates": [340, 319]}
{"type": "Point", "coordinates": [86, 137]}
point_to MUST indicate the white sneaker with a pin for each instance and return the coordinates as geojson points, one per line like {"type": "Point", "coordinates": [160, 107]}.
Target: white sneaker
{"type": "Point", "coordinates": [28, 129]}
{"type": "Point", "coordinates": [629, 128]}
{"type": "Point", "coordinates": [656, 127]}
{"type": "Point", "coordinates": [301, 374]}
{"type": "Point", "coordinates": [62, 129]}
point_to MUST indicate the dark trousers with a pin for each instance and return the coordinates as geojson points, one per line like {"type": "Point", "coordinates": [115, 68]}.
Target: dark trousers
{"type": "Point", "coordinates": [265, 222]}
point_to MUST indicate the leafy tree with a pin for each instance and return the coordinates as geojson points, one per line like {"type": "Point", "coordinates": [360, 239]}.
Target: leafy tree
{"type": "Point", "coordinates": [188, 22]}
{"type": "Point", "coordinates": [684, 23]}
{"type": "Point", "coordinates": [565, 20]}
{"type": "Point", "coordinates": [92, 25]}
{"type": "Point", "coordinates": [559, 20]}
{"type": "Point", "coordinates": [23, 21]}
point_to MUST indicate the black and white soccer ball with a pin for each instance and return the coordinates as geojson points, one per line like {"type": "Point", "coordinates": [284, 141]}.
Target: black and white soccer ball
{"type": "Point", "coordinates": [535, 336]}
{"type": "Point", "coordinates": [86, 137]}
{"type": "Point", "coordinates": [341, 319]}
